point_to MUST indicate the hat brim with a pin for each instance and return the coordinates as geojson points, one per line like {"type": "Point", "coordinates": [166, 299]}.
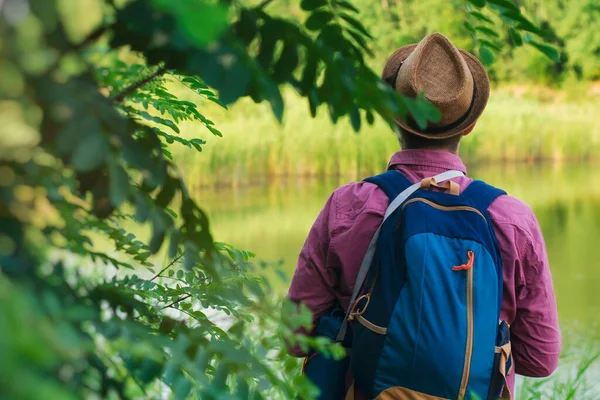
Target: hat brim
{"type": "Point", "coordinates": [481, 93]}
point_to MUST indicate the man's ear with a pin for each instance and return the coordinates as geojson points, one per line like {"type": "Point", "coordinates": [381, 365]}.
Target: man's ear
{"type": "Point", "coordinates": [469, 129]}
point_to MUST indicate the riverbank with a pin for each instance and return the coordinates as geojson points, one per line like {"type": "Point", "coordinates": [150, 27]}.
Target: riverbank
{"type": "Point", "coordinates": [519, 125]}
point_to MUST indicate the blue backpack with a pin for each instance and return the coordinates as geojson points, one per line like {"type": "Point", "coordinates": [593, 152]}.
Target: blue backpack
{"type": "Point", "coordinates": [426, 310]}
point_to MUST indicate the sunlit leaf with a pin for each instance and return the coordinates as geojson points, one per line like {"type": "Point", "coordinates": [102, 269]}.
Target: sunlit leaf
{"type": "Point", "coordinates": [481, 17]}
{"type": "Point", "coordinates": [550, 52]}
{"type": "Point", "coordinates": [490, 44]}
{"type": "Point", "coordinates": [487, 31]}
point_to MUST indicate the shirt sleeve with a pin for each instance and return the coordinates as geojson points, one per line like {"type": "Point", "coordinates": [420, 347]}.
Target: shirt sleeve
{"type": "Point", "coordinates": [535, 334]}
{"type": "Point", "coordinates": [313, 281]}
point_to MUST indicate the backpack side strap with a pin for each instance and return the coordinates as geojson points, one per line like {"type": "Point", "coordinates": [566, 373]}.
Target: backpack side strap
{"type": "Point", "coordinates": [391, 182]}
{"type": "Point", "coordinates": [481, 195]}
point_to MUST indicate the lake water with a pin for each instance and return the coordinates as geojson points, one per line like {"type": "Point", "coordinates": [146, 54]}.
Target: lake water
{"type": "Point", "coordinates": [273, 221]}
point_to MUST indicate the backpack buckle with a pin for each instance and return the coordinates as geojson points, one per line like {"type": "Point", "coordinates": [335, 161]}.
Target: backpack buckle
{"type": "Point", "coordinates": [354, 312]}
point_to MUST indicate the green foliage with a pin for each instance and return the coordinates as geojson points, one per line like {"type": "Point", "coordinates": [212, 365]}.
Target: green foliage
{"type": "Point", "coordinates": [200, 323]}
{"type": "Point", "coordinates": [574, 384]}
{"type": "Point", "coordinates": [569, 27]}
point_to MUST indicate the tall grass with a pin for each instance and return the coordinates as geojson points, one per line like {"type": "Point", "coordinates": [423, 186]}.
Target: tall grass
{"type": "Point", "coordinates": [576, 378]}
{"type": "Point", "coordinates": [517, 126]}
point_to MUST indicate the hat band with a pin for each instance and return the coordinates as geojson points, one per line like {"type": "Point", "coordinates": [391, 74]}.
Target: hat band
{"type": "Point", "coordinates": [441, 129]}
{"type": "Point", "coordinates": [436, 129]}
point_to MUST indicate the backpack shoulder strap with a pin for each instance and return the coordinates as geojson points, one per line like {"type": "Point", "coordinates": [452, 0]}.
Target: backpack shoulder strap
{"type": "Point", "coordinates": [481, 195]}
{"type": "Point", "coordinates": [391, 182]}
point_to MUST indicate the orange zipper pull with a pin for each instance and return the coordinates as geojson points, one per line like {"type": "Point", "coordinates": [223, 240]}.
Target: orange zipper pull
{"type": "Point", "coordinates": [469, 263]}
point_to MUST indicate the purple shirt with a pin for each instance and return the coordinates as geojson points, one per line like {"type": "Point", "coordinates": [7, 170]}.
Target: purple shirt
{"type": "Point", "coordinates": [331, 256]}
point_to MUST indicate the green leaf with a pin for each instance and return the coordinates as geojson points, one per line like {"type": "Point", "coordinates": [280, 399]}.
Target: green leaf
{"type": "Point", "coordinates": [370, 117]}
{"type": "Point", "coordinates": [309, 74]}
{"type": "Point", "coordinates": [486, 55]}
{"type": "Point", "coordinates": [355, 119]}
{"type": "Point", "coordinates": [361, 41]}
{"type": "Point", "coordinates": [490, 44]}
{"type": "Point", "coordinates": [242, 392]}
{"type": "Point", "coordinates": [515, 37]}
{"type": "Point", "coordinates": [487, 31]}
{"type": "Point", "coordinates": [273, 96]}
{"type": "Point", "coordinates": [156, 241]}
{"type": "Point", "coordinates": [422, 110]}
{"type": "Point", "coordinates": [246, 27]}
{"type": "Point", "coordinates": [530, 27]}
{"type": "Point", "coordinates": [119, 185]}
{"type": "Point", "coordinates": [356, 25]}
{"type": "Point", "coordinates": [201, 21]}
{"type": "Point", "coordinates": [74, 132]}
{"type": "Point", "coordinates": [347, 5]}
{"type": "Point", "coordinates": [469, 27]}
{"type": "Point", "coordinates": [268, 39]}
{"type": "Point", "coordinates": [505, 3]}
{"type": "Point", "coordinates": [167, 193]}
{"type": "Point", "coordinates": [309, 5]}
{"type": "Point", "coordinates": [150, 370]}
{"type": "Point", "coordinates": [179, 274]}
{"type": "Point", "coordinates": [477, 3]}
{"type": "Point", "coordinates": [90, 152]}
{"type": "Point", "coordinates": [288, 60]}
{"type": "Point", "coordinates": [481, 17]}
{"type": "Point", "coordinates": [318, 20]}
{"type": "Point", "coordinates": [142, 210]}
{"type": "Point", "coordinates": [182, 388]}
{"type": "Point", "coordinates": [158, 120]}
{"type": "Point", "coordinates": [236, 78]}
{"type": "Point", "coordinates": [550, 52]}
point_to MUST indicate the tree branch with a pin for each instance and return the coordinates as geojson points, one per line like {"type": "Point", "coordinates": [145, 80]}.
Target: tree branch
{"type": "Point", "coordinates": [167, 267]}
{"type": "Point", "coordinates": [182, 298]}
{"type": "Point", "coordinates": [136, 85]}
{"type": "Point", "coordinates": [92, 36]}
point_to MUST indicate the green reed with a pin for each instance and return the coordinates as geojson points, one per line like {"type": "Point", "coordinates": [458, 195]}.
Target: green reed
{"type": "Point", "coordinates": [518, 125]}
{"type": "Point", "coordinates": [576, 378]}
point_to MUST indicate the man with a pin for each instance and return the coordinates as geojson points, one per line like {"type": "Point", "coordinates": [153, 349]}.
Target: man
{"type": "Point", "coordinates": [457, 84]}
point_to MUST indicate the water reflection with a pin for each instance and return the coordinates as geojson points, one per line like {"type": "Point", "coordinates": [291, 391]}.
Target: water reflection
{"type": "Point", "coordinates": [273, 221]}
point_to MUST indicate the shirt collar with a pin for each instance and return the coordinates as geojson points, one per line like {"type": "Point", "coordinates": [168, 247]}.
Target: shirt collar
{"type": "Point", "coordinates": [428, 158]}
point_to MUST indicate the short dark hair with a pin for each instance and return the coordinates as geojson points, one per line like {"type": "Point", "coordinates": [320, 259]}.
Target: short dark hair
{"type": "Point", "coordinates": [414, 142]}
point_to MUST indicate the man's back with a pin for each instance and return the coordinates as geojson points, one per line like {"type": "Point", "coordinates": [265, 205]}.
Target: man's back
{"type": "Point", "coordinates": [330, 259]}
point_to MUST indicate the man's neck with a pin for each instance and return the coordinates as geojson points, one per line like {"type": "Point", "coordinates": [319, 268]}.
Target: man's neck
{"type": "Point", "coordinates": [441, 149]}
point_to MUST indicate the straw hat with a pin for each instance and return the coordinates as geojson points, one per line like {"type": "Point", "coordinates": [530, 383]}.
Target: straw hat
{"type": "Point", "coordinates": [453, 80]}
